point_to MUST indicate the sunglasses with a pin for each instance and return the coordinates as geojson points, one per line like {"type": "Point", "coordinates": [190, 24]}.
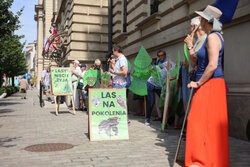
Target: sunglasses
{"type": "Point", "coordinates": [160, 55]}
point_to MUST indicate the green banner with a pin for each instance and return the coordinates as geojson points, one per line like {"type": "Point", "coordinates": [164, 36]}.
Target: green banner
{"type": "Point", "coordinates": [61, 81]}
{"type": "Point", "coordinates": [108, 114]}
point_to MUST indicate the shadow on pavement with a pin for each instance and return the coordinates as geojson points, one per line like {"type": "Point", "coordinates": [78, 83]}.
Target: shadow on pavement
{"type": "Point", "coordinates": [167, 140]}
{"type": "Point", "coordinates": [87, 135]}
{"type": "Point", "coordinates": [2, 116]}
{"type": "Point", "coordinates": [5, 103]}
{"type": "Point", "coordinates": [4, 111]}
{"type": "Point", "coordinates": [4, 141]}
{"type": "Point", "coordinates": [61, 112]}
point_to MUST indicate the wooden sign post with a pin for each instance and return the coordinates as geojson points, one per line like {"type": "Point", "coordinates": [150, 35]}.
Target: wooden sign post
{"type": "Point", "coordinates": [166, 101]}
{"type": "Point", "coordinates": [108, 118]}
{"type": "Point", "coordinates": [61, 85]}
{"type": "Point", "coordinates": [183, 127]}
{"type": "Point", "coordinates": [165, 111]}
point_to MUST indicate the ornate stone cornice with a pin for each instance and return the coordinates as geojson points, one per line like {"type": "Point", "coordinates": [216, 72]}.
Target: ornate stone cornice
{"type": "Point", "coordinates": [36, 17]}
{"type": "Point", "coordinates": [38, 7]}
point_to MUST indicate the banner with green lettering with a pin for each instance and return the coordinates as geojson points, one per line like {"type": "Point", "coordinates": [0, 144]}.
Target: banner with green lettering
{"type": "Point", "coordinates": [108, 114]}
{"type": "Point", "coordinates": [61, 81]}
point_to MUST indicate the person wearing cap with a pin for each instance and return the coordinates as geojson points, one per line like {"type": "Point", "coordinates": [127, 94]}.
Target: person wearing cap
{"type": "Point", "coordinates": [189, 74]}
{"type": "Point", "coordinates": [200, 37]}
{"type": "Point", "coordinates": [207, 124]}
{"type": "Point", "coordinates": [82, 93]}
{"type": "Point", "coordinates": [76, 72]}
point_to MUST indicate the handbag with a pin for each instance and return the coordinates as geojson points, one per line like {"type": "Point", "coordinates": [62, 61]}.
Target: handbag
{"type": "Point", "coordinates": [128, 78]}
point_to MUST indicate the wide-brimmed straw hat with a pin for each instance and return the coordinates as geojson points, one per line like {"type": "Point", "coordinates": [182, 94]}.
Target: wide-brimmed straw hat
{"type": "Point", "coordinates": [212, 14]}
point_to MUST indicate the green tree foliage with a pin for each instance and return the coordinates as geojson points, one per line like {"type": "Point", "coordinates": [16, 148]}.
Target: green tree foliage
{"type": "Point", "coordinates": [12, 58]}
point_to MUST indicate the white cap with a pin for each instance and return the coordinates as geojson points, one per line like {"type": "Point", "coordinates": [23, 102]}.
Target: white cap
{"type": "Point", "coordinates": [98, 62]}
{"type": "Point", "coordinates": [76, 61]}
{"type": "Point", "coordinates": [196, 21]}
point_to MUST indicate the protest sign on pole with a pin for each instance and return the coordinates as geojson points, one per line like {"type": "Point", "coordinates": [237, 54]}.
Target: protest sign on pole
{"type": "Point", "coordinates": [61, 81]}
{"type": "Point", "coordinates": [61, 85]}
{"type": "Point", "coordinates": [108, 114]}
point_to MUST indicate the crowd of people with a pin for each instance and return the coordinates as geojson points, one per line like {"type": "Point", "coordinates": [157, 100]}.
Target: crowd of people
{"type": "Point", "coordinates": [207, 134]}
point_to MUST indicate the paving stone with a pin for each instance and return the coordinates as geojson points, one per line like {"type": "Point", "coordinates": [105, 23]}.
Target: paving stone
{"type": "Point", "coordinates": [27, 124]}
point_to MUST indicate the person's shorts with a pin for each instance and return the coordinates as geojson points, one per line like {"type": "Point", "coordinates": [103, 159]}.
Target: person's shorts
{"type": "Point", "coordinates": [82, 94]}
{"type": "Point", "coordinates": [119, 86]}
{"type": "Point", "coordinates": [46, 88]}
{"type": "Point", "coordinates": [138, 97]}
{"type": "Point", "coordinates": [23, 91]}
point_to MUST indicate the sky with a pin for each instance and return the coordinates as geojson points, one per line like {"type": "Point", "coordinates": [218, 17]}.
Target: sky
{"type": "Point", "coordinates": [29, 26]}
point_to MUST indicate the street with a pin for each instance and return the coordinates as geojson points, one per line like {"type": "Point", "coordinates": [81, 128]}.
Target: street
{"type": "Point", "coordinates": [23, 123]}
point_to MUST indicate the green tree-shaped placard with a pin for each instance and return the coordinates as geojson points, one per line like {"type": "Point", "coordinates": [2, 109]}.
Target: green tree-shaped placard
{"type": "Point", "coordinates": [174, 90]}
{"type": "Point", "coordinates": [141, 72]}
{"type": "Point", "coordinates": [90, 77]}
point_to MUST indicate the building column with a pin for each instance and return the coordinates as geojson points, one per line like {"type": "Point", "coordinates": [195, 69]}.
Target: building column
{"type": "Point", "coordinates": [39, 48]}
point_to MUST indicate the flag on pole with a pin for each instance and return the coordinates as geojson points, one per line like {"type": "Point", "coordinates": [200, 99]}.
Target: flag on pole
{"type": "Point", "coordinates": [227, 8]}
{"type": "Point", "coordinates": [54, 39]}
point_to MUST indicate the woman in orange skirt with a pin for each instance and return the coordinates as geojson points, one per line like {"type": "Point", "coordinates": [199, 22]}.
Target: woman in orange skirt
{"type": "Point", "coordinates": [207, 126]}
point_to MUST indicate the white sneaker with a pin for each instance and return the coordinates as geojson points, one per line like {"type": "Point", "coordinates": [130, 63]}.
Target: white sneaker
{"type": "Point", "coordinates": [147, 122]}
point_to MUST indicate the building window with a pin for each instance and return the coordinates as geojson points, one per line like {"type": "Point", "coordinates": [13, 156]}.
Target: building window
{"type": "Point", "coordinates": [154, 4]}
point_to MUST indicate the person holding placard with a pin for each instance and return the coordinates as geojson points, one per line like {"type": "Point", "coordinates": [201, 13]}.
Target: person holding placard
{"type": "Point", "coordinates": [97, 66]}
{"type": "Point", "coordinates": [75, 74]}
{"type": "Point", "coordinates": [200, 36]}
{"type": "Point", "coordinates": [189, 70]}
{"type": "Point", "coordinates": [154, 87]}
{"type": "Point", "coordinates": [207, 123]}
{"type": "Point", "coordinates": [81, 89]}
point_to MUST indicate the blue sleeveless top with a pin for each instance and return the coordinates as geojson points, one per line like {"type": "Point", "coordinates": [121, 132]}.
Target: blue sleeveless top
{"type": "Point", "coordinates": [202, 58]}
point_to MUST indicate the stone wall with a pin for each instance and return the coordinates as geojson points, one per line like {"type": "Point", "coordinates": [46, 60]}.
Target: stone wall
{"type": "Point", "coordinates": [86, 23]}
{"type": "Point", "coordinates": [30, 56]}
{"type": "Point", "coordinates": [44, 14]}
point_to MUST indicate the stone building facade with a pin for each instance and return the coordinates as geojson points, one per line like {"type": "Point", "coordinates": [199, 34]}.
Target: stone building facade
{"type": "Point", "coordinates": [44, 13]}
{"type": "Point", "coordinates": [86, 26]}
{"type": "Point", "coordinates": [30, 53]}
{"type": "Point", "coordinates": [164, 24]}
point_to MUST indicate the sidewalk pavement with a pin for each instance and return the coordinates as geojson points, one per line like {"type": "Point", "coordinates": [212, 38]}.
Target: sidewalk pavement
{"type": "Point", "coordinates": [24, 123]}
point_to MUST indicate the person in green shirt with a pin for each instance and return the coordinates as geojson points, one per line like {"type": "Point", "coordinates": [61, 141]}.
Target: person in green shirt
{"type": "Point", "coordinates": [97, 66]}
